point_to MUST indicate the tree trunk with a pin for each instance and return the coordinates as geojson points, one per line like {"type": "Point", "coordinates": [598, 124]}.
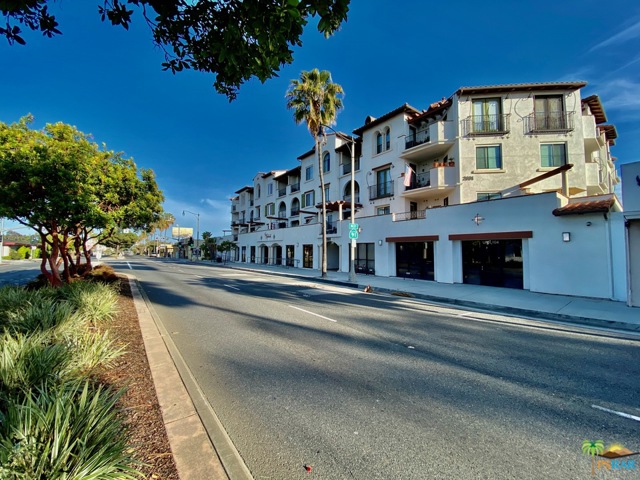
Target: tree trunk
{"type": "Point", "coordinates": [53, 277]}
{"type": "Point", "coordinates": [86, 253]}
{"type": "Point", "coordinates": [323, 267]}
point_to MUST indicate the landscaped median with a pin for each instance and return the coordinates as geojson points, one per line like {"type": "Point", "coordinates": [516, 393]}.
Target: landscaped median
{"type": "Point", "coordinates": [58, 417]}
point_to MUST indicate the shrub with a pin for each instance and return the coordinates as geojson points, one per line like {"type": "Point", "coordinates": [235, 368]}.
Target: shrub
{"type": "Point", "coordinates": [70, 432]}
{"type": "Point", "coordinates": [103, 273]}
{"type": "Point", "coordinates": [24, 252]}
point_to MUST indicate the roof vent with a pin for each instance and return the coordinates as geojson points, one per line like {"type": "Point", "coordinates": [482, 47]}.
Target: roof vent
{"type": "Point", "coordinates": [369, 119]}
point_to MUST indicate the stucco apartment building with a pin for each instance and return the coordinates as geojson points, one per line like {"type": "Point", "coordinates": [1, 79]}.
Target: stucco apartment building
{"type": "Point", "coordinates": [504, 185]}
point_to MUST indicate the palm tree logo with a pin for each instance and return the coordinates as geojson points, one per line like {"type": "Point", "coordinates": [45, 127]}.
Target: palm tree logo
{"type": "Point", "coordinates": [593, 449]}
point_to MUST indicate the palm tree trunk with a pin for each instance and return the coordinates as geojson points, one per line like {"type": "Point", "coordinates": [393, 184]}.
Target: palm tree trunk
{"type": "Point", "coordinates": [323, 267]}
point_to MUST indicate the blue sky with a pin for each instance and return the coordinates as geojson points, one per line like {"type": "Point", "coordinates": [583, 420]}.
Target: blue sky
{"type": "Point", "coordinates": [109, 82]}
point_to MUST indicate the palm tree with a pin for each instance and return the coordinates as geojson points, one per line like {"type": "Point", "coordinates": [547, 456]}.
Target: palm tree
{"type": "Point", "coordinates": [314, 101]}
{"type": "Point", "coordinates": [593, 449]}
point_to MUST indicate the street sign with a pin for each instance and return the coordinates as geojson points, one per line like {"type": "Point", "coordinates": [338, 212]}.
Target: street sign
{"type": "Point", "coordinates": [353, 226]}
{"type": "Point", "coordinates": [353, 234]}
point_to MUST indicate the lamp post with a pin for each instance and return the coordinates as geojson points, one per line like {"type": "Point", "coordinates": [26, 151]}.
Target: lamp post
{"type": "Point", "coordinates": [351, 145]}
{"type": "Point", "coordinates": [197, 215]}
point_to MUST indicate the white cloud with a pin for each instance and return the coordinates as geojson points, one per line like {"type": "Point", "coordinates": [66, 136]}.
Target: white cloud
{"type": "Point", "coordinates": [621, 94]}
{"type": "Point", "coordinates": [625, 35]}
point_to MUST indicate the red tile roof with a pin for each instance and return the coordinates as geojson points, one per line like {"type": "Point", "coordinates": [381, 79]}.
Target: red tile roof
{"type": "Point", "coordinates": [372, 122]}
{"type": "Point", "coordinates": [579, 208]}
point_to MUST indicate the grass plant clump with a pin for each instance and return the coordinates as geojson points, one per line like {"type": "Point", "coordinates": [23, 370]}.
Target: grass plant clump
{"type": "Point", "coordinates": [56, 421]}
{"type": "Point", "coordinates": [68, 432]}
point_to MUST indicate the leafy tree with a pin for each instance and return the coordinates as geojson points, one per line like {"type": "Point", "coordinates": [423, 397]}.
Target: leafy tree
{"type": "Point", "coordinates": [71, 192]}
{"type": "Point", "coordinates": [235, 40]}
{"type": "Point", "coordinates": [315, 101]}
{"type": "Point", "coordinates": [121, 241]}
{"type": "Point", "coordinates": [210, 245]}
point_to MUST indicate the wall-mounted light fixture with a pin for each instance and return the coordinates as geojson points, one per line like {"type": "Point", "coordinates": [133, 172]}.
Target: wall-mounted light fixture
{"type": "Point", "coordinates": [566, 236]}
{"type": "Point", "coordinates": [477, 219]}
{"type": "Point", "coordinates": [379, 243]}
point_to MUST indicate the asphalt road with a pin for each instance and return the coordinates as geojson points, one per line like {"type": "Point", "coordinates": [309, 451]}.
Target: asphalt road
{"type": "Point", "coordinates": [368, 386]}
{"type": "Point", "coordinates": [18, 272]}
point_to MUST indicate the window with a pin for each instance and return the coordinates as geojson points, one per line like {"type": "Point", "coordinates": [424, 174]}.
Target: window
{"type": "Point", "coordinates": [257, 191]}
{"type": "Point", "coordinates": [308, 199]}
{"type": "Point", "coordinates": [378, 142]}
{"type": "Point", "coordinates": [386, 210]}
{"type": "Point", "coordinates": [553, 154]}
{"type": "Point", "coordinates": [383, 141]}
{"type": "Point", "coordinates": [549, 112]}
{"type": "Point", "coordinates": [488, 196]}
{"type": "Point", "coordinates": [269, 209]}
{"type": "Point", "coordinates": [486, 115]}
{"type": "Point", "coordinates": [308, 173]}
{"type": "Point", "coordinates": [326, 192]}
{"type": "Point", "coordinates": [270, 188]}
{"type": "Point", "coordinates": [326, 162]}
{"type": "Point", "coordinates": [384, 187]}
{"type": "Point", "coordinates": [488, 157]}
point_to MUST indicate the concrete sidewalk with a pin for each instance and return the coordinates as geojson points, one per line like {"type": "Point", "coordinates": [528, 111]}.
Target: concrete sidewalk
{"type": "Point", "coordinates": [584, 311]}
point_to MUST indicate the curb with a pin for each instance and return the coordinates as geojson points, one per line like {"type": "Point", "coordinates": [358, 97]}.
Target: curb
{"type": "Point", "coordinates": [201, 447]}
{"type": "Point", "coordinates": [534, 314]}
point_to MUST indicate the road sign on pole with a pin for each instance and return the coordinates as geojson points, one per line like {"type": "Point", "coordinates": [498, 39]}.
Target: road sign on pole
{"type": "Point", "coordinates": [353, 234]}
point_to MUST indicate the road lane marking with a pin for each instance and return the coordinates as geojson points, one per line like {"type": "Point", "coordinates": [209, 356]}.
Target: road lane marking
{"type": "Point", "coordinates": [621, 414]}
{"type": "Point", "coordinates": [316, 314]}
{"type": "Point", "coordinates": [130, 266]}
{"type": "Point", "coordinates": [230, 286]}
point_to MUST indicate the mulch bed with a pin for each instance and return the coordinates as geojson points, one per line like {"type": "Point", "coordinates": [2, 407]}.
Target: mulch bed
{"type": "Point", "coordinates": [143, 417]}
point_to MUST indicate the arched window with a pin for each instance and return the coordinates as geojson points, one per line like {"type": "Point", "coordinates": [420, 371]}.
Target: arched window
{"type": "Point", "coordinates": [387, 139]}
{"type": "Point", "coordinates": [295, 207]}
{"type": "Point", "coordinates": [326, 162]}
{"type": "Point", "coordinates": [282, 210]}
{"type": "Point", "coordinates": [257, 191]}
{"type": "Point", "coordinates": [378, 142]}
{"type": "Point", "coordinates": [347, 192]}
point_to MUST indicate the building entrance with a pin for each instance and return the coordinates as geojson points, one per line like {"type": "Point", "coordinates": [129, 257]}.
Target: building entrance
{"type": "Point", "coordinates": [496, 263]}
{"type": "Point", "coordinates": [415, 260]}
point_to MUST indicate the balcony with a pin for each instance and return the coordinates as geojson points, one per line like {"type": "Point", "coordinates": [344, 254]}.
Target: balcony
{"type": "Point", "coordinates": [295, 213]}
{"type": "Point", "coordinates": [381, 190]}
{"type": "Point", "coordinates": [549, 122]}
{"type": "Point", "coordinates": [282, 191]}
{"type": "Point", "coordinates": [421, 180]}
{"type": "Point", "coordinates": [332, 228]}
{"type": "Point", "coordinates": [346, 167]}
{"type": "Point", "coordinates": [295, 187]}
{"type": "Point", "coordinates": [414, 215]}
{"type": "Point", "coordinates": [435, 182]}
{"type": "Point", "coordinates": [429, 143]}
{"type": "Point", "coordinates": [347, 198]}
{"type": "Point", "coordinates": [485, 125]}
{"type": "Point", "coordinates": [251, 203]}
{"type": "Point", "coordinates": [234, 208]}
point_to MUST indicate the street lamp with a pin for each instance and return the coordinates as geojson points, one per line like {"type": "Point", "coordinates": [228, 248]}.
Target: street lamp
{"type": "Point", "coordinates": [197, 215]}
{"type": "Point", "coordinates": [351, 145]}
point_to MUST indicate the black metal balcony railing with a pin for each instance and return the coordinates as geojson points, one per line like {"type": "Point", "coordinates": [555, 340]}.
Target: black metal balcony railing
{"type": "Point", "coordinates": [417, 138]}
{"type": "Point", "coordinates": [550, 122]}
{"type": "Point", "coordinates": [332, 228]}
{"type": "Point", "coordinates": [381, 190]}
{"type": "Point", "coordinates": [421, 180]}
{"type": "Point", "coordinates": [347, 198]}
{"type": "Point", "coordinates": [282, 191]}
{"type": "Point", "coordinates": [346, 167]}
{"type": "Point", "coordinates": [295, 212]}
{"type": "Point", "coordinates": [414, 215]}
{"type": "Point", "coordinates": [295, 187]}
{"type": "Point", "coordinates": [485, 124]}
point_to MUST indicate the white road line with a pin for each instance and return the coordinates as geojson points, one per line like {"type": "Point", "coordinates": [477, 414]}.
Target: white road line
{"type": "Point", "coordinates": [622, 414]}
{"type": "Point", "coordinates": [229, 286]}
{"type": "Point", "coordinates": [130, 266]}
{"type": "Point", "coordinates": [316, 314]}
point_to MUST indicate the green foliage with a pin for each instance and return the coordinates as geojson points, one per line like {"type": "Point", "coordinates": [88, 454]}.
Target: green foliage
{"type": "Point", "coordinates": [64, 186]}
{"type": "Point", "coordinates": [24, 252]}
{"type": "Point", "coordinates": [54, 423]}
{"type": "Point", "coordinates": [233, 40]}
{"type": "Point", "coordinates": [67, 432]}
{"type": "Point", "coordinates": [315, 101]}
